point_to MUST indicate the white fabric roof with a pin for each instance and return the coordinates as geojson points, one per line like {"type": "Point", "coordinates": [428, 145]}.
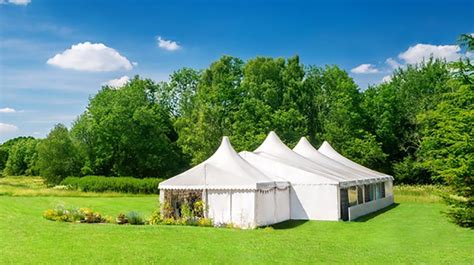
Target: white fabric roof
{"type": "Point", "coordinates": [225, 169]}
{"type": "Point", "coordinates": [273, 148]}
{"type": "Point", "coordinates": [304, 148]}
{"type": "Point", "coordinates": [327, 150]}
{"type": "Point", "coordinates": [280, 169]}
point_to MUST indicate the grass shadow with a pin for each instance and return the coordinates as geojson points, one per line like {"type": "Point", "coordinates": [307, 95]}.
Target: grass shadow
{"type": "Point", "coordinates": [289, 224]}
{"type": "Point", "coordinates": [367, 217]}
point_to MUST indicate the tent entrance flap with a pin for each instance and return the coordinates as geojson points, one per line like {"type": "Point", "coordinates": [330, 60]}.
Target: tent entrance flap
{"type": "Point", "coordinates": [344, 204]}
{"type": "Point", "coordinates": [175, 199]}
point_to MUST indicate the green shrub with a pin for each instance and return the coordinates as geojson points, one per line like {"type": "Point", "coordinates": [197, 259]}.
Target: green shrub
{"type": "Point", "coordinates": [167, 210]}
{"type": "Point", "coordinates": [92, 217]}
{"type": "Point", "coordinates": [135, 218]}
{"type": "Point", "coordinates": [206, 222]}
{"type": "Point", "coordinates": [121, 219]}
{"type": "Point", "coordinates": [186, 212]}
{"type": "Point", "coordinates": [117, 184]}
{"type": "Point", "coordinates": [198, 209]}
{"type": "Point", "coordinates": [460, 210]}
{"type": "Point", "coordinates": [155, 217]}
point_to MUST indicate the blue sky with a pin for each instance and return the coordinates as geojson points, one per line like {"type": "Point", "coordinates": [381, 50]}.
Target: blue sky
{"type": "Point", "coordinates": [55, 54]}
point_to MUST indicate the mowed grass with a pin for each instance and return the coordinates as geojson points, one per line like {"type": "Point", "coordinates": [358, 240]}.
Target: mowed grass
{"type": "Point", "coordinates": [409, 232]}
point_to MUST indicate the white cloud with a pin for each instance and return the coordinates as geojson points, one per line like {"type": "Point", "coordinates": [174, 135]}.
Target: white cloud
{"type": "Point", "coordinates": [393, 63]}
{"type": "Point", "coordinates": [94, 57]}
{"type": "Point", "coordinates": [7, 110]}
{"type": "Point", "coordinates": [119, 82]}
{"type": "Point", "coordinates": [168, 44]}
{"type": "Point", "coordinates": [420, 52]}
{"type": "Point", "coordinates": [16, 2]}
{"type": "Point", "coordinates": [7, 128]}
{"type": "Point", "coordinates": [365, 68]}
{"type": "Point", "coordinates": [387, 78]}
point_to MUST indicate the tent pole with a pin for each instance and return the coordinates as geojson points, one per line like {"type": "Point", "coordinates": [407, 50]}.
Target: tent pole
{"type": "Point", "coordinates": [205, 193]}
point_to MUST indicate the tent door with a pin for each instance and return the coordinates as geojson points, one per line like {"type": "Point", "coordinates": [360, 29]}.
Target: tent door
{"type": "Point", "coordinates": [344, 205]}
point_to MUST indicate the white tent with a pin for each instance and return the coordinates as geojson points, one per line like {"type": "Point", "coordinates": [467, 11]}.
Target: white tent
{"type": "Point", "coordinates": [233, 190]}
{"type": "Point", "coordinates": [380, 190]}
{"type": "Point", "coordinates": [305, 149]}
{"type": "Point", "coordinates": [327, 150]}
{"type": "Point", "coordinates": [321, 187]}
{"type": "Point", "coordinates": [274, 184]}
{"type": "Point", "coordinates": [314, 188]}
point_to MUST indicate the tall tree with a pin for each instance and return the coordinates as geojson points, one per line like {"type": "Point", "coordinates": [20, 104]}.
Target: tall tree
{"type": "Point", "coordinates": [58, 156]}
{"type": "Point", "coordinates": [335, 115]}
{"type": "Point", "coordinates": [22, 156]}
{"type": "Point", "coordinates": [218, 96]}
{"type": "Point", "coordinates": [391, 111]}
{"type": "Point", "coordinates": [128, 132]}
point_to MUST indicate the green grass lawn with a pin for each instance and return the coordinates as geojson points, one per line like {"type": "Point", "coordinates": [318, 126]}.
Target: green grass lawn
{"type": "Point", "coordinates": [409, 232]}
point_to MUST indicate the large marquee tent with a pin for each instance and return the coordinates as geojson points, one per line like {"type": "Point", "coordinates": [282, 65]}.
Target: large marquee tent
{"type": "Point", "coordinates": [233, 190]}
{"type": "Point", "coordinates": [373, 191]}
{"type": "Point", "coordinates": [275, 183]}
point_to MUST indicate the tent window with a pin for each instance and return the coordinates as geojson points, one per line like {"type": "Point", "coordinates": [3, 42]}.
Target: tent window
{"type": "Point", "coordinates": [372, 192]}
{"type": "Point", "coordinates": [360, 195]}
{"type": "Point", "coordinates": [383, 189]}
{"type": "Point", "coordinates": [378, 190]}
{"type": "Point", "coordinates": [352, 192]}
{"type": "Point", "coordinates": [344, 205]}
{"type": "Point", "coordinates": [367, 193]}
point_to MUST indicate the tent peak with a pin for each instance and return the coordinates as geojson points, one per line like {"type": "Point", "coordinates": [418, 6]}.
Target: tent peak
{"type": "Point", "coordinates": [303, 143]}
{"type": "Point", "coordinates": [303, 140]}
{"type": "Point", "coordinates": [271, 142]}
{"type": "Point", "coordinates": [225, 148]}
{"type": "Point", "coordinates": [326, 145]}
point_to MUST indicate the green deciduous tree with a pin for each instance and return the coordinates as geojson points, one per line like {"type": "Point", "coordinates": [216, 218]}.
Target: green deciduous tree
{"type": "Point", "coordinates": [129, 132]}
{"type": "Point", "coordinates": [22, 156]}
{"type": "Point", "coordinates": [334, 114]}
{"type": "Point", "coordinates": [447, 149]}
{"type": "Point", "coordinates": [58, 156]}
{"type": "Point", "coordinates": [391, 111]}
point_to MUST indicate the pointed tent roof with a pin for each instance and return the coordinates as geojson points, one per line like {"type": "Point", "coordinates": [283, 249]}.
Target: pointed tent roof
{"type": "Point", "coordinates": [225, 169]}
{"type": "Point", "coordinates": [281, 169]}
{"type": "Point", "coordinates": [307, 150]}
{"type": "Point", "coordinates": [272, 147]}
{"type": "Point", "coordinates": [327, 150]}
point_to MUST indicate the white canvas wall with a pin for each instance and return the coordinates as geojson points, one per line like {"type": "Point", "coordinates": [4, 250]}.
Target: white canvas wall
{"type": "Point", "coordinates": [314, 202]}
{"type": "Point", "coordinates": [243, 203]}
{"type": "Point", "coordinates": [265, 208]}
{"type": "Point", "coordinates": [219, 204]}
{"type": "Point", "coordinates": [282, 200]}
{"type": "Point", "coordinates": [227, 206]}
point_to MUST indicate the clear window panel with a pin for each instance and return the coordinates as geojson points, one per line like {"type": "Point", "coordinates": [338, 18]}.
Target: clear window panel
{"type": "Point", "coordinates": [352, 192]}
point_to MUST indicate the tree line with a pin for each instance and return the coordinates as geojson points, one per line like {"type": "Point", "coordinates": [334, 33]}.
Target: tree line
{"type": "Point", "coordinates": [417, 126]}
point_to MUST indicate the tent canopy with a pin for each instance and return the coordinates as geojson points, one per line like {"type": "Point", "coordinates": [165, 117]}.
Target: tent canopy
{"type": "Point", "coordinates": [225, 169]}
{"type": "Point", "coordinates": [273, 148]}
{"type": "Point", "coordinates": [327, 150]}
{"type": "Point", "coordinates": [304, 148]}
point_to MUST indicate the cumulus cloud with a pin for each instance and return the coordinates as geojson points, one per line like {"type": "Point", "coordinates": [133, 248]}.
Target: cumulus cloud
{"type": "Point", "coordinates": [420, 52]}
{"type": "Point", "coordinates": [168, 45]}
{"type": "Point", "coordinates": [386, 79]}
{"type": "Point", "coordinates": [365, 68]}
{"type": "Point", "coordinates": [94, 57]}
{"type": "Point", "coordinates": [393, 63]}
{"type": "Point", "coordinates": [16, 2]}
{"type": "Point", "coordinates": [119, 82]}
{"type": "Point", "coordinates": [7, 110]}
{"type": "Point", "coordinates": [7, 128]}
